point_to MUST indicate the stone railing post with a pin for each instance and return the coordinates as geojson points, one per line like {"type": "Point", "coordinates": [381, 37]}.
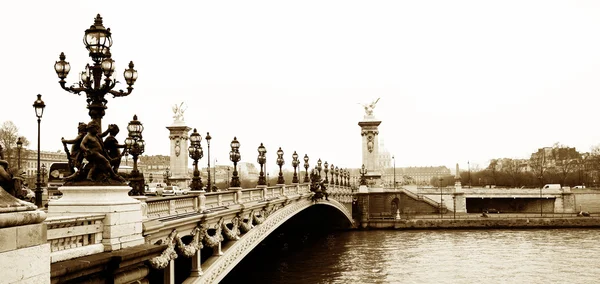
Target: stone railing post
{"type": "Point", "coordinates": [171, 207]}
{"type": "Point", "coordinates": [238, 196]}
{"type": "Point", "coordinates": [201, 199]}
{"type": "Point", "coordinates": [196, 264]}
{"type": "Point", "coordinates": [142, 199]}
{"type": "Point", "coordinates": [219, 200]}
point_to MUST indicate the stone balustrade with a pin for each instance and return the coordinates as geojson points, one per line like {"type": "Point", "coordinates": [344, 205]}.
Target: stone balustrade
{"type": "Point", "coordinates": [74, 236]}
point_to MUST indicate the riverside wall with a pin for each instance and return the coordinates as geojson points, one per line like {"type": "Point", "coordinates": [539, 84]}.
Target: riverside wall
{"type": "Point", "coordinates": [486, 223]}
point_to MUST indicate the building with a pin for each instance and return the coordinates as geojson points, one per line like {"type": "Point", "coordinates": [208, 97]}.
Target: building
{"type": "Point", "coordinates": [422, 175]}
{"type": "Point", "coordinates": [47, 158]}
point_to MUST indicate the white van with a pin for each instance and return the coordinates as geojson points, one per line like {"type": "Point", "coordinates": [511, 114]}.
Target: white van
{"type": "Point", "coordinates": [552, 186]}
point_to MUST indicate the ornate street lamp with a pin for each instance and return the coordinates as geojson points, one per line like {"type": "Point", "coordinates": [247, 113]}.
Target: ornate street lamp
{"type": "Point", "coordinates": [44, 173]}
{"type": "Point", "coordinates": [195, 153]}
{"type": "Point", "coordinates": [167, 175]}
{"type": "Point", "coordinates": [343, 177]}
{"type": "Point", "coordinates": [319, 168]}
{"type": "Point", "coordinates": [19, 147]}
{"type": "Point", "coordinates": [135, 146]}
{"type": "Point", "coordinates": [348, 177]}
{"type": "Point", "coordinates": [306, 178]}
{"type": "Point", "coordinates": [295, 163]}
{"type": "Point", "coordinates": [150, 178]}
{"type": "Point", "coordinates": [332, 169]}
{"type": "Point", "coordinates": [207, 138]}
{"type": "Point", "coordinates": [393, 158]}
{"type": "Point", "coordinates": [326, 169]}
{"type": "Point", "coordinates": [39, 106]}
{"type": "Point", "coordinates": [262, 159]}
{"type": "Point", "coordinates": [97, 40]}
{"type": "Point", "coordinates": [337, 176]}
{"type": "Point", "coordinates": [363, 172]}
{"type": "Point", "coordinates": [234, 156]}
{"type": "Point", "coordinates": [441, 198]}
{"type": "Point", "coordinates": [280, 163]}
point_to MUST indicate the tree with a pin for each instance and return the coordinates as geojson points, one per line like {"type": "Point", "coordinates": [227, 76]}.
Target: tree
{"type": "Point", "coordinates": [513, 168]}
{"type": "Point", "coordinates": [493, 169]}
{"type": "Point", "coordinates": [9, 134]}
{"type": "Point", "coordinates": [565, 160]}
{"type": "Point", "coordinates": [537, 162]}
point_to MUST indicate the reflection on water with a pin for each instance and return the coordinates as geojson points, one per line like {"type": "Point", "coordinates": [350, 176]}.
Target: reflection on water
{"type": "Point", "coordinates": [453, 256]}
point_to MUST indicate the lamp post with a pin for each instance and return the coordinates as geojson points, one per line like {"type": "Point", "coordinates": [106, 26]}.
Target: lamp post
{"type": "Point", "coordinates": [342, 177]}
{"type": "Point", "coordinates": [332, 170]}
{"type": "Point", "coordinates": [337, 176]}
{"type": "Point", "coordinates": [326, 169]}
{"type": "Point", "coordinates": [441, 200]}
{"type": "Point", "coordinates": [347, 177]}
{"type": "Point", "coordinates": [234, 156]}
{"type": "Point", "coordinates": [394, 159]}
{"type": "Point", "coordinates": [295, 164]}
{"type": "Point", "coordinates": [39, 106]}
{"type": "Point", "coordinates": [97, 40]}
{"type": "Point", "coordinates": [306, 179]}
{"type": "Point", "coordinates": [195, 152]}
{"type": "Point", "coordinates": [44, 173]}
{"type": "Point", "coordinates": [19, 146]}
{"type": "Point", "coordinates": [262, 159]}
{"type": "Point", "coordinates": [469, 165]}
{"type": "Point", "coordinates": [228, 169]}
{"type": "Point", "coordinates": [280, 163]}
{"type": "Point", "coordinates": [150, 178]}
{"type": "Point", "coordinates": [363, 172]}
{"type": "Point", "coordinates": [268, 180]}
{"type": "Point", "coordinates": [208, 185]}
{"type": "Point", "coordinates": [541, 204]}
{"type": "Point", "coordinates": [135, 146]}
{"type": "Point", "coordinates": [167, 175]}
{"type": "Point", "coordinates": [319, 167]}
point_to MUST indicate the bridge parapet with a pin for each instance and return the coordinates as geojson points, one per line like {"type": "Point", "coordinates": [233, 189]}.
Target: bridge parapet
{"type": "Point", "coordinates": [74, 236]}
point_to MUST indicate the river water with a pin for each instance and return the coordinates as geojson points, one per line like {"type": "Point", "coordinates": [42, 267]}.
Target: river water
{"type": "Point", "coordinates": [433, 256]}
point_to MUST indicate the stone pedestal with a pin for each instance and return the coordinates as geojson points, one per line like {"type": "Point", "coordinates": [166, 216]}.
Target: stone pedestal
{"type": "Point", "coordinates": [24, 249]}
{"type": "Point", "coordinates": [178, 134]}
{"type": "Point", "coordinates": [370, 149]}
{"type": "Point", "coordinates": [123, 221]}
{"type": "Point", "coordinates": [460, 202]}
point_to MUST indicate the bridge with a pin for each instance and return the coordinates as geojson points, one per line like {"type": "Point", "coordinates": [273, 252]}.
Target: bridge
{"type": "Point", "coordinates": [226, 224]}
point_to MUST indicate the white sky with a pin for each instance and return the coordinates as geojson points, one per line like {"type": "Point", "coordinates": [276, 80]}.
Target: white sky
{"type": "Point", "coordinates": [459, 80]}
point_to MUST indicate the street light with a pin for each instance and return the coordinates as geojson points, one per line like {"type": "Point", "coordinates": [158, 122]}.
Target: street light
{"type": "Point", "coordinates": [135, 146]}
{"type": "Point", "coordinates": [234, 156]}
{"type": "Point", "coordinates": [207, 138]}
{"type": "Point", "coordinates": [306, 179]}
{"type": "Point", "coordinates": [97, 40]}
{"type": "Point", "coordinates": [295, 164]}
{"type": "Point", "coordinates": [319, 168]}
{"type": "Point", "coordinates": [19, 146]}
{"type": "Point", "coordinates": [167, 175]}
{"type": "Point", "coordinates": [342, 177]}
{"type": "Point", "coordinates": [337, 176]}
{"type": "Point", "coordinates": [262, 159]}
{"type": "Point", "coordinates": [44, 173]}
{"type": "Point", "coordinates": [195, 152]}
{"type": "Point", "coordinates": [332, 170]}
{"type": "Point", "coordinates": [441, 200]}
{"type": "Point", "coordinates": [541, 204]}
{"type": "Point", "coordinates": [280, 163]}
{"type": "Point", "coordinates": [39, 106]}
{"type": "Point", "coordinates": [150, 177]}
{"type": "Point", "coordinates": [393, 158]}
{"type": "Point", "coordinates": [326, 170]}
{"type": "Point", "coordinates": [363, 172]}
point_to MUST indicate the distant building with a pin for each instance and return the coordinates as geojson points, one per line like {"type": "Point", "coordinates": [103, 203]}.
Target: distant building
{"type": "Point", "coordinates": [154, 167]}
{"type": "Point", "coordinates": [422, 175]}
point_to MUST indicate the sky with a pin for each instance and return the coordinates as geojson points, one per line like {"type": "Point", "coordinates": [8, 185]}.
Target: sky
{"type": "Point", "coordinates": [458, 81]}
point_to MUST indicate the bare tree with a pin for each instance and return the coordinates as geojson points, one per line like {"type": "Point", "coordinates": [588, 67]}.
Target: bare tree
{"type": "Point", "coordinates": [565, 160]}
{"type": "Point", "coordinates": [513, 168]}
{"type": "Point", "coordinates": [537, 162]}
{"type": "Point", "coordinates": [493, 169]}
{"type": "Point", "coordinates": [9, 133]}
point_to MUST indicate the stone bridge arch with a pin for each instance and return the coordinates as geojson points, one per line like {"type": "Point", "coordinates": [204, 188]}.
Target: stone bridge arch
{"type": "Point", "coordinates": [219, 266]}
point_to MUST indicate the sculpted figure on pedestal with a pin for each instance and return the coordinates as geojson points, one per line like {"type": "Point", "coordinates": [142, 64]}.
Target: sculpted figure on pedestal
{"type": "Point", "coordinates": [369, 107]}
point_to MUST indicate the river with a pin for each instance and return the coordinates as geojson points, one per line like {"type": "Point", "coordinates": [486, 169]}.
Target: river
{"type": "Point", "coordinates": [433, 256]}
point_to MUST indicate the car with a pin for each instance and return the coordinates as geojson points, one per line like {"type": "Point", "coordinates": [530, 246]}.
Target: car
{"type": "Point", "coordinates": [150, 190]}
{"type": "Point", "coordinates": [186, 190]}
{"type": "Point", "coordinates": [172, 190]}
{"type": "Point", "coordinates": [491, 210]}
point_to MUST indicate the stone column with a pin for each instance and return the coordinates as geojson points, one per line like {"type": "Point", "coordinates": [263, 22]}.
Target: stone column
{"type": "Point", "coordinates": [370, 150]}
{"type": "Point", "coordinates": [196, 264]}
{"type": "Point", "coordinates": [178, 134]}
{"type": "Point", "coordinates": [24, 249]}
{"type": "Point", "coordinates": [169, 273]}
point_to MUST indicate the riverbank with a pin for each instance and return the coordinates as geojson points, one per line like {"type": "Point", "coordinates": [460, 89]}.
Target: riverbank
{"type": "Point", "coordinates": [484, 223]}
